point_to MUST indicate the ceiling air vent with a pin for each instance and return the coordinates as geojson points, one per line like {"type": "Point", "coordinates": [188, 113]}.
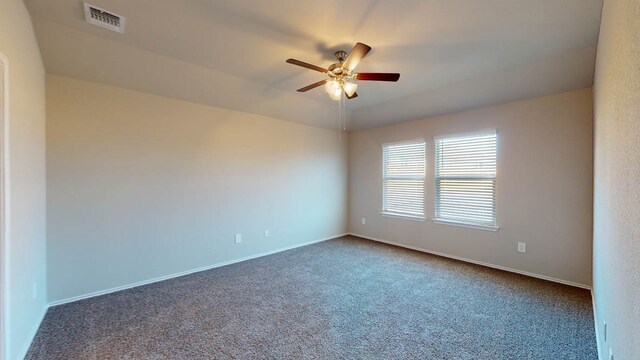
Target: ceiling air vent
{"type": "Point", "coordinates": [100, 17]}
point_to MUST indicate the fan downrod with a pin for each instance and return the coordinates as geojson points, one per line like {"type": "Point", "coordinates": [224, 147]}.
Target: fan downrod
{"type": "Point", "coordinates": [336, 69]}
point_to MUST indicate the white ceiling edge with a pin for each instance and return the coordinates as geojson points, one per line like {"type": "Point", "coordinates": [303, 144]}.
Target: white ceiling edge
{"type": "Point", "coordinates": [536, 79]}
{"type": "Point", "coordinates": [135, 69]}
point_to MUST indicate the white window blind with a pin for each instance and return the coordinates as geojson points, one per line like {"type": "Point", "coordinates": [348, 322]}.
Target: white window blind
{"type": "Point", "coordinates": [403, 169]}
{"type": "Point", "coordinates": [466, 180]}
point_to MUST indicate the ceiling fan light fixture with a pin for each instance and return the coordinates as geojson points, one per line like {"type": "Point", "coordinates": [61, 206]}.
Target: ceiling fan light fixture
{"type": "Point", "coordinates": [334, 89]}
{"type": "Point", "coordinates": [331, 85]}
{"type": "Point", "coordinates": [338, 73]}
{"type": "Point", "coordinates": [336, 94]}
{"type": "Point", "coordinates": [350, 88]}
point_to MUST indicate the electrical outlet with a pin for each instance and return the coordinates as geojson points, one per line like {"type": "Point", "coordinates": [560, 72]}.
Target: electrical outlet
{"type": "Point", "coordinates": [605, 332]}
{"type": "Point", "coordinates": [238, 238]}
{"type": "Point", "coordinates": [266, 233]}
{"type": "Point", "coordinates": [364, 221]}
{"type": "Point", "coordinates": [34, 290]}
{"type": "Point", "coordinates": [522, 247]}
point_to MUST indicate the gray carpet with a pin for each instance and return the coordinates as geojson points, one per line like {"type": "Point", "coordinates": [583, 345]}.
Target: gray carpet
{"type": "Point", "coordinates": [342, 299]}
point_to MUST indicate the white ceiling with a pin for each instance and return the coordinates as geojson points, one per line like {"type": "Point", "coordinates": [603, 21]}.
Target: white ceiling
{"type": "Point", "coordinates": [452, 54]}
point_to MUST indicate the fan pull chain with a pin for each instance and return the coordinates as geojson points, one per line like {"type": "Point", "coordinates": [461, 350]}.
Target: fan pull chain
{"type": "Point", "coordinates": [340, 118]}
{"type": "Point", "coordinates": [344, 111]}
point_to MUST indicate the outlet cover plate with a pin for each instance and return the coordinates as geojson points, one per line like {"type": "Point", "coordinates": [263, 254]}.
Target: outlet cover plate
{"type": "Point", "coordinates": [522, 247]}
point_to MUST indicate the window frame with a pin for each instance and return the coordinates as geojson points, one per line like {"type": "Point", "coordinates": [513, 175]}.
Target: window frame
{"type": "Point", "coordinates": [436, 178]}
{"type": "Point", "coordinates": [398, 215]}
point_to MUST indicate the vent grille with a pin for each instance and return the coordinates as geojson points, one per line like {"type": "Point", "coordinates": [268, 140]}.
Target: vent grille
{"type": "Point", "coordinates": [105, 19]}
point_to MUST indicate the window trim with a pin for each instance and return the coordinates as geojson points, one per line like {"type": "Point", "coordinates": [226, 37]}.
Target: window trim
{"type": "Point", "coordinates": [470, 225]}
{"type": "Point", "coordinates": [398, 215]}
{"type": "Point", "coordinates": [403, 216]}
{"type": "Point", "coordinates": [466, 225]}
{"type": "Point", "coordinates": [466, 134]}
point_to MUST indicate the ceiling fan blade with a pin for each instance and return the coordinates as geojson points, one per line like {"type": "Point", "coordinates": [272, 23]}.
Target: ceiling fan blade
{"type": "Point", "coordinates": [358, 52]}
{"type": "Point", "coordinates": [355, 95]}
{"type": "Point", "coordinates": [377, 76]}
{"type": "Point", "coordinates": [312, 86]}
{"type": "Point", "coordinates": [306, 65]}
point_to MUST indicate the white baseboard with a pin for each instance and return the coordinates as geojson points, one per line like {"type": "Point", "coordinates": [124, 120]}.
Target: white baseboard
{"type": "Point", "coordinates": [183, 273]}
{"type": "Point", "coordinates": [32, 333]}
{"type": "Point", "coordinates": [544, 277]}
{"type": "Point", "coordinates": [596, 323]}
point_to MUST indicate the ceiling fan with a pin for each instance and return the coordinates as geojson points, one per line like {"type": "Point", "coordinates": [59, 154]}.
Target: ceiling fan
{"type": "Point", "coordinates": [340, 73]}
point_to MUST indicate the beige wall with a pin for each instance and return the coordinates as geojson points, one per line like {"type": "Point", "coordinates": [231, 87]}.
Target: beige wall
{"type": "Point", "coordinates": [544, 187]}
{"type": "Point", "coordinates": [616, 265]}
{"type": "Point", "coordinates": [142, 186]}
{"type": "Point", "coordinates": [26, 219]}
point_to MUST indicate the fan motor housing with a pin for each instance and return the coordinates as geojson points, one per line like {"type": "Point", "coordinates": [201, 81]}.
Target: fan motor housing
{"type": "Point", "coordinates": [335, 69]}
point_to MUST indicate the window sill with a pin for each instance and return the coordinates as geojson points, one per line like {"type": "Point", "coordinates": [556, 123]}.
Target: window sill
{"type": "Point", "coordinates": [403, 216]}
{"type": "Point", "coordinates": [465, 225]}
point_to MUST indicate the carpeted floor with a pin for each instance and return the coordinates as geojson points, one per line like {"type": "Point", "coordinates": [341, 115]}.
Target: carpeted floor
{"type": "Point", "coordinates": [342, 299]}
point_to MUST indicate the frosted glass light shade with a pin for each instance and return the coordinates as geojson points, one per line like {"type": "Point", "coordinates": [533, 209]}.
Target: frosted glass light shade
{"type": "Point", "coordinates": [350, 88]}
{"type": "Point", "coordinates": [334, 89]}
{"type": "Point", "coordinates": [336, 94]}
{"type": "Point", "coordinates": [331, 85]}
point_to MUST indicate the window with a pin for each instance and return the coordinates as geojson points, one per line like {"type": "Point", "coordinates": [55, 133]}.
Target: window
{"type": "Point", "coordinates": [403, 168]}
{"type": "Point", "coordinates": [466, 180]}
